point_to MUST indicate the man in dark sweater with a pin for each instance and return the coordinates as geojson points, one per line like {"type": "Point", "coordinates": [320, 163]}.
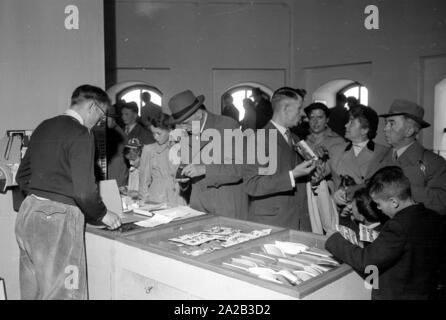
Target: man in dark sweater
{"type": "Point", "coordinates": [57, 174]}
{"type": "Point", "coordinates": [408, 249]}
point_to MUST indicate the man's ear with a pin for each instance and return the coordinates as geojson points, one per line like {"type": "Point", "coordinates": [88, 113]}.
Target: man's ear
{"type": "Point", "coordinates": [409, 130]}
{"type": "Point", "coordinates": [200, 115]}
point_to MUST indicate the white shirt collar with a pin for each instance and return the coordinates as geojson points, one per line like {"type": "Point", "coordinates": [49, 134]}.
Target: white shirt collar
{"type": "Point", "coordinates": [281, 129]}
{"type": "Point", "coordinates": [357, 147]}
{"type": "Point", "coordinates": [72, 113]}
{"type": "Point", "coordinates": [204, 122]}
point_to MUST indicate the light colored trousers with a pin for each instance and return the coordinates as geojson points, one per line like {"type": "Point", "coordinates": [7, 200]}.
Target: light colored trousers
{"type": "Point", "coordinates": [50, 235]}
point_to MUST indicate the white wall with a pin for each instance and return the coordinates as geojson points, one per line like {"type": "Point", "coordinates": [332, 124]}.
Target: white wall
{"type": "Point", "coordinates": [41, 63]}
{"type": "Point", "coordinates": [185, 44]}
{"type": "Point", "coordinates": [205, 46]}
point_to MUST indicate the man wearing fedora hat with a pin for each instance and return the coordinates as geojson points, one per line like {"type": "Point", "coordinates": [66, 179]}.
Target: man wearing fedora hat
{"type": "Point", "coordinates": [426, 170]}
{"type": "Point", "coordinates": [216, 188]}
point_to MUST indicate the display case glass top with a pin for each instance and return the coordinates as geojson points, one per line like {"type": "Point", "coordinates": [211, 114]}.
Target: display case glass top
{"type": "Point", "coordinates": [291, 262]}
{"type": "Point", "coordinates": [197, 239]}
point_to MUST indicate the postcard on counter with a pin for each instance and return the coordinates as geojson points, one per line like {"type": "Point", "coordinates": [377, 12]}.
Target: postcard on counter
{"type": "Point", "coordinates": [180, 212]}
{"type": "Point", "coordinates": [156, 220]}
{"type": "Point", "coordinates": [195, 239]}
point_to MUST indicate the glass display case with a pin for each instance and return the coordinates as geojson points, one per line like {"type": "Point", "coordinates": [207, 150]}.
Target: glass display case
{"type": "Point", "coordinates": [196, 239]}
{"type": "Point", "coordinates": [291, 262]}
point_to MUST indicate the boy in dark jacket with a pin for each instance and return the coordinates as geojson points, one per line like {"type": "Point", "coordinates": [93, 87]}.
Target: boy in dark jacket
{"type": "Point", "coordinates": [407, 251]}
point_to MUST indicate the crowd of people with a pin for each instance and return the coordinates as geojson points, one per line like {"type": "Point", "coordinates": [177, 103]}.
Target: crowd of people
{"type": "Point", "coordinates": [397, 190]}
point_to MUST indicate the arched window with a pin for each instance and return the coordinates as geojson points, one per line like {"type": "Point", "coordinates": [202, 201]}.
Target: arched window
{"type": "Point", "coordinates": [358, 91]}
{"type": "Point", "coordinates": [240, 93]}
{"type": "Point", "coordinates": [134, 93]}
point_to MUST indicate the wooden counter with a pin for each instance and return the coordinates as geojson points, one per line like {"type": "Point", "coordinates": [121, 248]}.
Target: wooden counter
{"type": "Point", "coordinates": [134, 266]}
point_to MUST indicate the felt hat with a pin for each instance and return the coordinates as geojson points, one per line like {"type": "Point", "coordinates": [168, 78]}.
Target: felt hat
{"type": "Point", "coordinates": [409, 109]}
{"type": "Point", "coordinates": [184, 104]}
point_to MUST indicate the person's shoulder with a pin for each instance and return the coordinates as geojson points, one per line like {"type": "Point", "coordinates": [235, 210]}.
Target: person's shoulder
{"type": "Point", "coordinates": [224, 121]}
{"type": "Point", "coordinates": [67, 123]}
{"type": "Point", "coordinates": [149, 147]}
{"type": "Point", "coordinates": [381, 149]}
{"type": "Point", "coordinates": [431, 157]}
{"type": "Point", "coordinates": [395, 225]}
{"type": "Point", "coordinates": [339, 148]}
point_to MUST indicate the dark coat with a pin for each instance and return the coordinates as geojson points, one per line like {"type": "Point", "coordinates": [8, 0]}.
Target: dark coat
{"type": "Point", "coordinates": [220, 191]}
{"type": "Point", "coordinates": [338, 119]}
{"type": "Point", "coordinates": [273, 200]}
{"type": "Point", "coordinates": [426, 172]}
{"type": "Point", "coordinates": [406, 253]}
{"type": "Point", "coordinates": [144, 135]}
{"type": "Point", "coordinates": [231, 111]}
{"type": "Point", "coordinates": [264, 113]}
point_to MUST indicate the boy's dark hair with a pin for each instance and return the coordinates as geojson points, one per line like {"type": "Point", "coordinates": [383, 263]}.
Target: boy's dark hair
{"type": "Point", "coordinates": [132, 106]}
{"type": "Point", "coordinates": [366, 206]}
{"type": "Point", "coordinates": [162, 121]}
{"type": "Point", "coordinates": [390, 182]}
{"type": "Point", "coordinates": [88, 92]}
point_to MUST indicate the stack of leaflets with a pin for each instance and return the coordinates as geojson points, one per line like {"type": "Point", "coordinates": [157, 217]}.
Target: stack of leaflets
{"type": "Point", "coordinates": [214, 238]}
{"type": "Point", "coordinates": [286, 263]}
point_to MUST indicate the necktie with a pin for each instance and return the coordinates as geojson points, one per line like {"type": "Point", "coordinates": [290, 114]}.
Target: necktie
{"type": "Point", "coordinates": [127, 129]}
{"type": "Point", "coordinates": [394, 155]}
{"type": "Point", "coordinates": [288, 137]}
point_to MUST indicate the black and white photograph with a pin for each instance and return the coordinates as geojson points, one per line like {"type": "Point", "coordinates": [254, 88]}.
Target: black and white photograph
{"type": "Point", "coordinates": [222, 156]}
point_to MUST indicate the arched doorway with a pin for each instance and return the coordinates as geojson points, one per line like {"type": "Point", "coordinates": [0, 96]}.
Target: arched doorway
{"type": "Point", "coordinates": [241, 91]}
{"type": "Point", "coordinates": [327, 92]}
{"type": "Point", "coordinates": [131, 91]}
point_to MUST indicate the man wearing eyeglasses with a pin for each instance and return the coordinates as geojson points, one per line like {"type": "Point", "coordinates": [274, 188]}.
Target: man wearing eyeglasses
{"type": "Point", "coordinates": [280, 198]}
{"type": "Point", "coordinates": [57, 174]}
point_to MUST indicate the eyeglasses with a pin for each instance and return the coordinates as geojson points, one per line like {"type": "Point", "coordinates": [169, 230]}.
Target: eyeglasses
{"type": "Point", "coordinates": [103, 115]}
{"type": "Point", "coordinates": [290, 92]}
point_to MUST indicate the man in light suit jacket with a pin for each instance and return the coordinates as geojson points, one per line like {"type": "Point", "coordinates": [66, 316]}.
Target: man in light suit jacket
{"type": "Point", "coordinates": [216, 188]}
{"type": "Point", "coordinates": [279, 199]}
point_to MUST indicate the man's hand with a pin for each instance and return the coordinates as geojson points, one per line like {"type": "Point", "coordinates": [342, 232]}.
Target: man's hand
{"type": "Point", "coordinates": [322, 153]}
{"type": "Point", "coordinates": [319, 174]}
{"type": "Point", "coordinates": [347, 211]}
{"type": "Point", "coordinates": [194, 170]}
{"type": "Point", "coordinates": [340, 197]}
{"type": "Point", "coordinates": [111, 220]}
{"type": "Point", "coordinates": [303, 169]}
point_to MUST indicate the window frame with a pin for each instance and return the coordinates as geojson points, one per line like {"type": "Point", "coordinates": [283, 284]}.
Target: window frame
{"type": "Point", "coordinates": [140, 87]}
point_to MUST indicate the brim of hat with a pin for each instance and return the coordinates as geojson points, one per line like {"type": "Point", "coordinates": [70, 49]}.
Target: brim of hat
{"type": "Point", "coordinates": [199, 103]}
{"type": "Point", "coordinates": [422, 123]}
